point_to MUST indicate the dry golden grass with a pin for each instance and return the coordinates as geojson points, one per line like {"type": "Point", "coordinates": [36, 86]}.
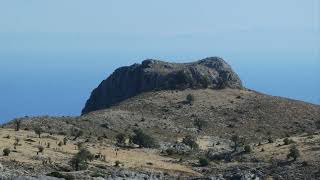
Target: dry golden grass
{"type": "Point", "coordinates": [308, 146]}
{"type": "Point", "coordinates": [135, 158]}
{"type": "Point", "coordinates": [26, 151]}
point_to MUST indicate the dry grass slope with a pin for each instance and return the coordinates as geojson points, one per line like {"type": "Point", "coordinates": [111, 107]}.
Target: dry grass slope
{"type": "Point", "coordinates": [168, 117]}
{"type": "Point", "coordinates": [26, 153]}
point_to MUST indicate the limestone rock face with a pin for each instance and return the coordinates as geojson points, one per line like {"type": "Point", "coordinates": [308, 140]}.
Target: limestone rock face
{"type": "Point", "coordinates": [151, 74]}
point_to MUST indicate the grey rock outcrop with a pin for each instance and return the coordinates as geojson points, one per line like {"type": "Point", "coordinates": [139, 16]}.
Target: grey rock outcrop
{"type": "Point", "coordinates": [37, 178]}
{"type": "Point", "coordinates": [129, 81]}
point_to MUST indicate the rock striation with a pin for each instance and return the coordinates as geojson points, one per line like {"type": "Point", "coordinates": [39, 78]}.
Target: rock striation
{"type": "Point", "coordinates": [151, 74]}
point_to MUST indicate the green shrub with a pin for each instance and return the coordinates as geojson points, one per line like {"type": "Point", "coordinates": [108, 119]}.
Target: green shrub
{"type": "Point", "coordinates": [121, 139]}
{"type": "Point", "coordinates": [270, 140]}
{"type": "Point", "coordinates": [170, 151]}
{"type": "Point", "coordinates": [237, 142]}
{"type": "Point", "coordinates": [80, 160]}
{"type": "Point", "coordinates": [190, 98]}
{"type": "Point", "coordinates": [287, 141]}
{"type": "Point", "coordinates": [77, 133]}
{"type": "Point", "coordinates": [98, 174]}
{"type": "Point", "coordinates": [143, 140]}
{"type": "Point", "coordinates": [190, 141]}
{"type": "Point", "coordinates": [38, 130]}
{"type": "Point", "coordinates": [16, 143]}
{"type": "Point", "coordinates": [6, 151]}
{"type": "Point", "coordinates": [60, 144]}
{"type": "Point", "coordinates": [17, 122]}
{"type": "Point", "coordinates": [205, 82]}
{"type": "Point", "coordinates": [105, 125]}
{"type": "Point", "coordinates": [247, 149]}
{"type": "Point", "coordinates": [40, 149]}
{"type": "Point", "coordinates": [317, 174]}
{"type": "Point", "coordinates": [317, 124]}
{"type": "Point", "coordinates": [59, 175]}
{"type": "Point", "coordinates": [293, 153]}
{"type": "Point", "coordinates": [200, 124]}
{"type": "Point", "coordinates": [80, 145]}
{"type": "Point", "coordinates": [55, 174]}
{"type": "Point", "coordinates": [305, 163]}
{"type": "Point", "coordinates": [117, 164]}
{"type": "Point", "coordinates": [203, 162]}
{"type": "Point", "coordinates": [65, 140]}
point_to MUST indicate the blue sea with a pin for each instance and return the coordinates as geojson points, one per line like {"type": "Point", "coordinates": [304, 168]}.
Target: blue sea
{"type": "Point", "coordinates": [59, 84]}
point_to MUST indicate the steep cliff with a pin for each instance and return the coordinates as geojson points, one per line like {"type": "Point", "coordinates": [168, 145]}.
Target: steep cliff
{"type": "Point", "coordinates": [129, 81]}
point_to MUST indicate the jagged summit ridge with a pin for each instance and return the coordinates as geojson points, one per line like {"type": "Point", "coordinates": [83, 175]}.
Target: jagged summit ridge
{"type": "Point", "coordinates": [152, 74]}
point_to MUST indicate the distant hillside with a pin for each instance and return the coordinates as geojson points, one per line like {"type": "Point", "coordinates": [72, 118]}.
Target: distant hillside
{"type": "Point", "coordinates": [167, 114]}
{"type": "Point", "coordinates": [203, 102]}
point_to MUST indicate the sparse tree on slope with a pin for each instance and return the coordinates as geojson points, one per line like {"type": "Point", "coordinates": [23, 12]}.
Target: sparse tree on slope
{"type": "Point", "coordinates": [38, 130]}
{"type": "Point", "coordinates": [143, 140]}
{"type": "Point", "coordinates": [17, 122]}
{"type": "Point", "coordinates": [293, 153]}
{"type": "Point", "coordinates": [80, 160]}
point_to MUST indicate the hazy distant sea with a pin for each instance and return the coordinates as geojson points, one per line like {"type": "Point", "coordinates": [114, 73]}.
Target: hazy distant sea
{"type": "Point", "coordinates": [59, 84]}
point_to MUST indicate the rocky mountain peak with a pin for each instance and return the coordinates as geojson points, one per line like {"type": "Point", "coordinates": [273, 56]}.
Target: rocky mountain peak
{"type": "Point", "coordinates": [151, 74]}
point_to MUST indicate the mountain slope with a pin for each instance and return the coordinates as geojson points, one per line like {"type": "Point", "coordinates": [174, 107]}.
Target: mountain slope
{"type": "Point", "coordinates": [170, 101]}
{"type": "Point", "coordinates": [166, 114]}
{"type": "Point", "coordinates": [153, 96]}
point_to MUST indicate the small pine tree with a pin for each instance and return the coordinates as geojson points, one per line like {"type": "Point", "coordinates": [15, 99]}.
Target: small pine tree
{"type": "Point", "coordinates": [143, 140]}
{"type": "Point", "coordinates": [77, 134]}
{"type": "Point", "coordinates": [237, 142]}
{"type": "Point", "coordinates": [60, 144]}
{"type": "Point", "coordinates": [190, 98]}
{"type": "Point", "coordinates": [16, 143]}
{"type": "Point", "coordinates": [65, 140]}
{"type": "Point", "coordinates": [80, 145]}
{"type": "Point", "coordinates": [40, 149]}
{"type": "Point", "coordinates": [190, 141]}
{"type": "Point", "coordinates": [200, 124]}
{"type": "Point", "coordinates": [6, 151]}
{"type": "Point", "coordinates": [205, 82]}
{"type": "Point", "coordinates": [17, 122]}
{"type": "Point", "coordinates": [286, 141]}
{"type": "Point", "coordinates": [293, 153]}
{"type": "Point", "coordinates": [203, 162]}
{"type": "Point", "coordinates": [170, 151]}
{"type": "Point", "coordinates": [117, 164]}
{"type": "Point", "coordinates": [317, 123]}
{"type": "Point", "coordinates": [247, 149]}
{"type": "Point", "coordinates": [38, 130]}
{"type": "Point", "coordinates": [80, 160]}
{"type": "Point", "coordinates": [121, 139]}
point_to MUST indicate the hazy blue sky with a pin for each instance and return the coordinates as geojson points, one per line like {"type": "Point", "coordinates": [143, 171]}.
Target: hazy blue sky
{"type": "Point", "coordinates": [54, 52]}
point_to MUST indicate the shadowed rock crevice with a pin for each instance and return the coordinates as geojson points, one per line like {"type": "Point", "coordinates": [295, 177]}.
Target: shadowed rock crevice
{"type": "Point", "coordinates": [151, 74]}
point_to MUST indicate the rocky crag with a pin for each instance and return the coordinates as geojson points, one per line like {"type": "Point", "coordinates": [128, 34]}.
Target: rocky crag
{"type": "Point", "coordinates": [150, 75]}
